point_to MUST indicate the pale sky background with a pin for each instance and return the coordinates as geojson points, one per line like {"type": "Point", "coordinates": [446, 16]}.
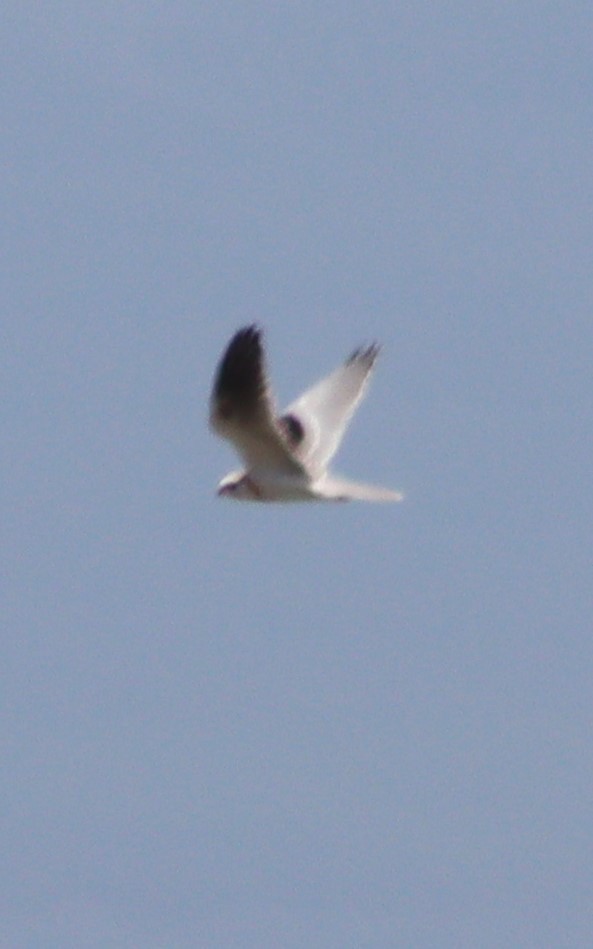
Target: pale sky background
{"type": "Point", "coordinates": [327, 727]}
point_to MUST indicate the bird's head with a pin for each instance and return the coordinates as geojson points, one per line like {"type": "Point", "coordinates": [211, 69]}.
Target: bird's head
{"type": "Point", "coordinates": [236, 485]}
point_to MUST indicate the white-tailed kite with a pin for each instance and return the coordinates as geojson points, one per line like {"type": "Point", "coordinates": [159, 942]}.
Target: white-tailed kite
{"type": "Point", "coordinates": [286, 456]}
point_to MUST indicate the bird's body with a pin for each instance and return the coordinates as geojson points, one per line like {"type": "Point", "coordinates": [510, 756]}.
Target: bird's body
{"type": "Point", "coordinates": [287, 456]}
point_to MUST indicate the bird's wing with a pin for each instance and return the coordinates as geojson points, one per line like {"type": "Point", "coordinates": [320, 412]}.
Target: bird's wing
{"type": "Point", "coordinates": [242, 410]}
{"type": "Point", "coordinates": [321, 415]}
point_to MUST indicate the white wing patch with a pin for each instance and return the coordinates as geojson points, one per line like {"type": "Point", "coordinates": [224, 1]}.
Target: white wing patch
{"type": "Point", "coordinates": [325, 409]}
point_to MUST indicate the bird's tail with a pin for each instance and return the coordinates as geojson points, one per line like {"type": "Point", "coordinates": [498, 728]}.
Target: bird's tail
{"type": "Point", "coordinates": [340, 489]}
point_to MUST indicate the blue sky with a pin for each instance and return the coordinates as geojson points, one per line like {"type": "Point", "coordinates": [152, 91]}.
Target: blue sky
{"type": "Point", "coordinates": [334, 727]}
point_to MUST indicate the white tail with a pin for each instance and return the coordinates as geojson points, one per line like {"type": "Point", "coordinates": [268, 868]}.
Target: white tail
{"type": "Point", "coordinates": [339, 489]}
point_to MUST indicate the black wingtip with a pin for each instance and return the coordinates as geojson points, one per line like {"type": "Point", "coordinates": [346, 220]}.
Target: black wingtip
{"type": "Point", "coordinates": [240, 379]}
{"type": "Point", "coordinates": [252, 331]}
{"type": "Point", "coordinates": [366, 354]}
{"type": "Point", "coordinates": [246, 338]}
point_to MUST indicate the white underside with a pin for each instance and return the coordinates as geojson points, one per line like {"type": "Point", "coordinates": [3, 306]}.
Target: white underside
{"type": "Point", "coordinates": [261, 486]}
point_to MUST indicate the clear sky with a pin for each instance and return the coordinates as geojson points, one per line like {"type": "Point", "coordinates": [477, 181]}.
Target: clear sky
{"type": "Point", "coordinates": [327, 727]}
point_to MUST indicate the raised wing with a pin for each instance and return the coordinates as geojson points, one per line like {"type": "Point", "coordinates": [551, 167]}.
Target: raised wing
{"type": "Point", "coordinates": [321, 415]}
{"type": "Point", "coordinates": [241, 406]}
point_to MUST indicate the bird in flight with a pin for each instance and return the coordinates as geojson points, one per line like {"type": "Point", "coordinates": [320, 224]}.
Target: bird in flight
{"type": "Point", "coordinates": [287, 456]}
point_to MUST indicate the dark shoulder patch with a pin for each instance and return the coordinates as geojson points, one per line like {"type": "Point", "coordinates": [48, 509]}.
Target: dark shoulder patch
{"type": "Point", "coordinates": [293, 429]}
